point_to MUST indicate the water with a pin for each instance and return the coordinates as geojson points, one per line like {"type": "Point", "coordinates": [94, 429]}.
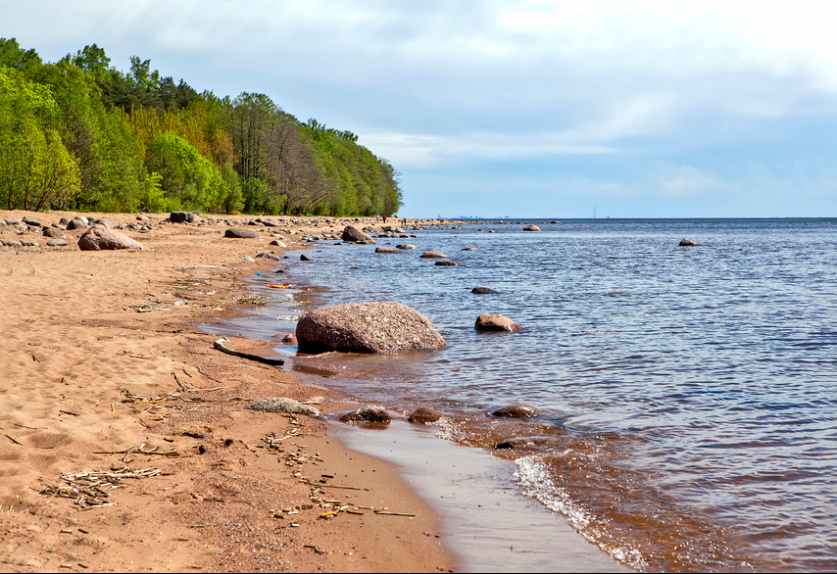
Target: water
{"type": "Point", "coordinates": [687, 393]}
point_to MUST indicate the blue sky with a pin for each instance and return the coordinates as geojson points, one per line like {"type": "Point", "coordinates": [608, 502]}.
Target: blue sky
{"type": "Point", "coordinates": [525, 109]}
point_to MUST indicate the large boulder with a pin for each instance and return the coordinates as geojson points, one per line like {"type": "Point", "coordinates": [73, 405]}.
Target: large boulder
{"type": "Point", "coordinates": [382, 327]}
{"type": "Point", "coordinates": [182, 217]}
{"type": "Point", "coordinates": [354, 235]}
{"type": "Point", "coordinates": [103, 239]}
{"type": "Point", "coordinates": [494, 322]}
{"type": "Point", "coordinates": [241, 233]}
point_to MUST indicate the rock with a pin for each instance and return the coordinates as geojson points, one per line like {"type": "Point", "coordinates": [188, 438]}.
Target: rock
{"type": "Point", "coordinates": [29, 244]}
{"type": "Point", "coordinates": [30, 221]}
{"type": "Point", "coordinates": [405, 246]}
{"type": "Point", "coordinates": [51, 232]}
{"type": "Point", "coordinates": [267, 255]}
{"type": "Point", "coordinates": [241, 233]}
{"type": "Point", "coordinates": [520, 411]}
{"type": "Point", "coordinates": [528, 442]}
{"type": "Point", "coordinates": [494, 322]}
{"type": "Point", "coordinates": [289, 339]}
{"type": "Point", "coordinates": [10, 243]}
{"type": "Point", "coordinates": [283, 405]}
{"type": "Point", "coordinates": [377, 327]}
{"type": "Point", "coordinates": [107, 223]}
{"type": "Point", "coordinates": [470, 248]}
{"type": "Point", "coordinates": [249, 259]}
{"type": "Point", "coordinates": [425, 415]}
{"type": "Point", "coordinates": [182, 217]}
{"type": "Point", "coordinates": [56, 243]}
{"type": "Point", "coordinates": [531, 228]}
{"type": "Point", "coordinates": [555, 222]}
{"type": "Point", "coordinates": [433, 255]}
{"type": "Point", "coordinates": [304, 257]}
{"type": "Point", "coordinates": [278, 243]}
{"type": "Point", "coordinates": [367, 414]}
{"type": "Point", "coordinates": [688, 243]}
{"type": "Point", "coordinates": [77, 223]}
{"type": "Point", "coordinates": [447, 263]}
{"type": "Point", "coordinates": [354, 235]}
{"type": "Point", "coordinates": [103, 239]}
{"type": "Point", "coordinates": [484, 291]}
{"type": "Point", "coordinates": [387, 250]}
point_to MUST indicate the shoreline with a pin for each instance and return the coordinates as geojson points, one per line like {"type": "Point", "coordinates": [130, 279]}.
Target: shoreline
{"type": "Point", "coordinates": [105, 371]}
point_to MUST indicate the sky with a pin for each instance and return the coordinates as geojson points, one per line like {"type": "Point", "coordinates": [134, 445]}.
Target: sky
{"type": "Point", "coordinates": [519, 109]}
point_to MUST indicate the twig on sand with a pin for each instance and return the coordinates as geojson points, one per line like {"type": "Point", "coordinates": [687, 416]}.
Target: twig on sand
{"type": "Point", "coordinates": [309, 483]}
{"type": "Point", "coordinates": [393, 513]}
{"type": "Point", "coordinates": [13, 440]}
{"type": "Point", "coordinates": [219, 344]}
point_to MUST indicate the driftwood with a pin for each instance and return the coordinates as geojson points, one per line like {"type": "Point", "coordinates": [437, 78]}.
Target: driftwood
{"type": "Point", "coordinates": [219, 344]}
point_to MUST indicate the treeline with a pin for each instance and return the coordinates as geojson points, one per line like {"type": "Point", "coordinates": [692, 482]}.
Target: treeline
{"type": "Point", "coordinates": [79, 134]}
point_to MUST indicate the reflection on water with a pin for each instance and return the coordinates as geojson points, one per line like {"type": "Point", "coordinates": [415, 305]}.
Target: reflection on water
{"type": "Point", "coordinates": [687, 393]}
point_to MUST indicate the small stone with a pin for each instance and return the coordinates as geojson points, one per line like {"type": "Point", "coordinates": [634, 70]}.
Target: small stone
{"type": "Point", "coordinates": [29, 244]}
{"type": "Point", "coordinates": [29, 221]}
{"type": "Point", "coordinates": [425, 415]}
{"type": "Point", "coordinates": [283, 405]}
{"type": "Point", "coordinates": [494, 322]}
{"type": "Point", "coordinates": [278, 243]}
{"type": "Point", "coordinates": [470, 248]}
{"type": "Point", "coordinates": [56, 243]}
{"type": "Point", "coordinates": [405, 246]}
{"type": "Point", "coordinates": [433, 255]}
{"type": "Point", "coordinates": [386, 250]}
{"type": "Point", "coordinates": [241, 233]}
{"type": "Point", "coordinates": [520, 411]}
{"type": "Point", "coordinates": [368, 414]}
{"type": "Point", "coordinates": [304, 257]}
{"type": "Point", "coordinates": [289, 339]}
{"type": "Point", "coordinates": [249, 259]}
{"type": "Point", "coordinates": [528, 442]}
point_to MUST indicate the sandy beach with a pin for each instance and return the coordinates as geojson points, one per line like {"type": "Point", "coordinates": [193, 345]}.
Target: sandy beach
{"type": "Point", "coordinates": [104, 372]}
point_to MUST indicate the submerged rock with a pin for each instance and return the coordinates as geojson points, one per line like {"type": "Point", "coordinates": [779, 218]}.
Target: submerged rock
{"type": "Point", "coordinates": [433, 255]}
{"type": "Point", "coordinates": [520, 411]}
{"type": "Point", "coordinates": [688, 243]}
{"type": "Point", "coordinates": [494, 322]}
{"type": "Point", "coordinates": [386, 250]}
{"type": "Point", "coordinates": [535, 442]}
{"type": "Point", "coordinates": [531, 228]}
{"type": "Point", "coordinates": [447, 263]}
{"type": "Point", "coordinates": [367, 414]}
{"type": "Point", "coordinates": [378, 327]}
{"type": "Point", "coordinates": [425, 415]}
{"type": "Point", "coordinates": [484, 291]}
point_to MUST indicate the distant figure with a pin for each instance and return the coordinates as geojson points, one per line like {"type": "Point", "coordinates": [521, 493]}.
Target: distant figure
{"type": "Point", "coordinates": [377, 218]}
{"type": "Point", "coordinates": [385, 218]}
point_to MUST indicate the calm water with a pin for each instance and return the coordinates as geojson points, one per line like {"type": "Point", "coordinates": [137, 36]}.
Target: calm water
{"type": "Point", "coordinates": [687, 394]}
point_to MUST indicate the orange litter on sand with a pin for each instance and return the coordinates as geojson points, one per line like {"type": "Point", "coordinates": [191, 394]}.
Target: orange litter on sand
{"type": "Point", "coordinates": [275, 286]}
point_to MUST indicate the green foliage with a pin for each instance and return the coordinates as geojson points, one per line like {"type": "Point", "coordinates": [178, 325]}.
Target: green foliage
{"type": "Point", "coordinates": [80, 134]}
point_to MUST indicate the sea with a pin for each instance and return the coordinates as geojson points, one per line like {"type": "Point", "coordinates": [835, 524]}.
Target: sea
{"type": "Point", "coordinates": [687, 395]}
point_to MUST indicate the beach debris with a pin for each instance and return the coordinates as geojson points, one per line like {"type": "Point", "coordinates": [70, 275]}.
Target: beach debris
{"type": "Point", "coordinates": [352, 234]}
{"type": "Point", "coordinates": [484, 291]}
{"type": "Point", "coordinates": [433, 255]}
{"type": "Point", "coordinates": [99, 238]}
{"type": "Point", "coordinates": [688, 243]}
{"type": "Point", "coordinates": [519, 411]}
{"type": "Point", "coordinates": [241, 233]}
{"type": "Point", "coordinates": [382, 327]}
{"type": "Point", "coordinates": [531, 228]}
{"type": "Point", "coordinates": [495, 322]}
{"type": "Point", "coordinates": [219, 344]}
{"type": "Point", "coordinates": [250, 299]}
{"type": "Point", "coordinates": [90, 489]}
{"type": "Point", "coordinates": [277, 285]}
{"type": "Point", "coordinates": [282, 405]}
{"type": "Point", "coordinates": [425, 415]}
{"type": "Point", "coordinates": [368, 414]}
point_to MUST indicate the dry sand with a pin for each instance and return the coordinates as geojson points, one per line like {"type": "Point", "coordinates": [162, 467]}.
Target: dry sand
{"type": "Point", "coordinates": [101, 371]}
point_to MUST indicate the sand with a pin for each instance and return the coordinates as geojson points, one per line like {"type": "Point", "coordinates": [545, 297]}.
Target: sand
{"type": "Point", "coordinates": [103, 370]}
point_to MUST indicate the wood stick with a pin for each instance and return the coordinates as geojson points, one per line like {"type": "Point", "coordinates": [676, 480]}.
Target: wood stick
{"type": "Point", "coordinates": [13, 440]}
{"type": "Point", "coordinates": [219, 344]}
